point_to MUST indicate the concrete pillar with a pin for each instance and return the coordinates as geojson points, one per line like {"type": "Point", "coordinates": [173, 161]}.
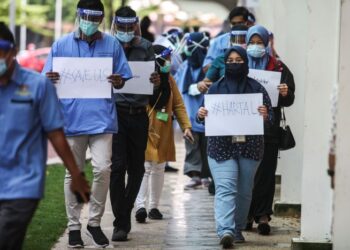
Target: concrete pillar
{"type": "Point", "coordinates": [341, 223]}
{"type": "Point", "coordinates": [322, 44]}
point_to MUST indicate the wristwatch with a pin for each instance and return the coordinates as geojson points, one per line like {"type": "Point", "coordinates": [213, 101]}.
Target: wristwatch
{"type": "Point", "coordinates": [330, 172]}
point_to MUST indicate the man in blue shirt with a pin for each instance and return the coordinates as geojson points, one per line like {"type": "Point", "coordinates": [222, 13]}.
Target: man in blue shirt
{"type": "Point", "coordinates": [29, 114]}
{"type": "Point", "coordinates": [90, 122]}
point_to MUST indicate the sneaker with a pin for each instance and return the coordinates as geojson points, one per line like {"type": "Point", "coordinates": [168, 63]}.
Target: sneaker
{"type": "Point", "coordinates": [226, 240]}
{"type": "Point", "coordinates": [193, 183]}
{"type": "Point", "coordinates": [239, 238]}
{"type": "Point", "coordinates": [141, 215]}
{"type": "Point", "coordinates": [74, 239]}
{"type": "Point", "coordinates": [119, 235]}
{"type": "Point", "coordinates": [205, 182]}
{"type": "Point", "coordinates": [98, 237]}
{"type": "Point", "coordinates": [154, 214]}
{"type": "Point", "coordinates": [170, 169]}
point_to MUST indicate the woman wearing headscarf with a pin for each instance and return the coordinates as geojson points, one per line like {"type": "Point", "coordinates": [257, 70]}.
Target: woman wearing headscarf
{"type": "Point", "coordinates": [233, 162]}
{"type": "Point", "coordinates": [189, 74]}
{"type": "Point", "coordinates": [264, 188]}
{"type": "Point", "coordinates": [165, 102]}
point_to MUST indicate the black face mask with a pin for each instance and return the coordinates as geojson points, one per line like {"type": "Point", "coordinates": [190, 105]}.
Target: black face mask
{"type": "Point", "coordinates": [234, 70]}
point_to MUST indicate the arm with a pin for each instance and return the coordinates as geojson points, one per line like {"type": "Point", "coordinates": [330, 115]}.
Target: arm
{"type": "Point", "coordinates": [287, 81]}
{"type": "Point", "coordinates": [79, 183]}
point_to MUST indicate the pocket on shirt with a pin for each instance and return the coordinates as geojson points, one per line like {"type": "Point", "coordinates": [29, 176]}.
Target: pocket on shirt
{"type": "Point", "coordinates": [22, 113]}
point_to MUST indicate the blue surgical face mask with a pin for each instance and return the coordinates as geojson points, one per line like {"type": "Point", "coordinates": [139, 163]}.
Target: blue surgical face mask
{"type": "Point", "coordinates": [166, 67]}
{"type": "Point", "coordinates": [125, 37]}
{"type": "Point", "coordinates": [256, 51]}
{"type": "Point", "coordinates": [3, 67]}
{"type": "Point", "coordinates": [87, 27]}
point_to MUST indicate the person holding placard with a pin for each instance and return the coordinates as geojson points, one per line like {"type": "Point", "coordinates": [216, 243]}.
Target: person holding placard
{"type": "Point", "coordinates": [130, 143]}
{"type": "Point", "coordinates": [164, 103]}
{"type": "Point", "coordinates": [90, 122]}
{"type": "Point", "coordinates": [264, 190]}
{"type": "Point", "coordinates": [233, 160]}
{"type": "Point", "coordinates": [187, 77]}
{"type": "Point", "coordinates": [29, 115]}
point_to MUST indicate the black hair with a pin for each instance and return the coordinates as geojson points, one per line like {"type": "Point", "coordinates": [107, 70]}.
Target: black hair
{"type": "Point", "coordinates": [145, 22]}
{"type": "Point", "coordinates": [125, 11]}
{"type": "Point", "coordinates": [240, 27]}
{"type": "Point", "coordinates": [239, 11]}
{"type": "Point", "coordinates": [5, 33]}
{"type": "Point", "coordinates": [91, 5]}
{"type": "Point", "coordinates": [252, 17]}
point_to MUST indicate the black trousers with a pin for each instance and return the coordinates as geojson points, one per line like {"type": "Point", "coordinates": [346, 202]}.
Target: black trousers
{"type": "Point", "coordinates": [264, 184]}
{"type": "Point", "coordinates": [128, 156]}
{"type": "Point", "coordinates": [15, 216]}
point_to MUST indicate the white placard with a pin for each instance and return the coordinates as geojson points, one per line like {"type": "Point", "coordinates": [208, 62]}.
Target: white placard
{"type": "Point", "coordinates": [270, 80]}
{"type": "Point", "coordinates": [140, 83]}
{"type": "Point", "coordinates": [233, 114]}
{"type": "Point", "coordinates": [82, 77]}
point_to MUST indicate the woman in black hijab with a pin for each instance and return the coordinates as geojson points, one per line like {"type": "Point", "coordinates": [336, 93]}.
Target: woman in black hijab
{"type": "Point", "coordinates": [233, 160]}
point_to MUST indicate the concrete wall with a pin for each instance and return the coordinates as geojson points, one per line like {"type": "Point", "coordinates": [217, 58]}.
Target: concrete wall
{"type": "Point", "coordinates": [341, 233]}
{"type": "Point", "coordinates": [306, 33]}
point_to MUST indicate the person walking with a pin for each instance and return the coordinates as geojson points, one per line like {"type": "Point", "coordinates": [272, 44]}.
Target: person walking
{"type": "Point", "coordinates": [233, 160]}
{"type": "Point", "coordinates": [90, 122]}
{"type": "Point", "coordinates": [160, 145]}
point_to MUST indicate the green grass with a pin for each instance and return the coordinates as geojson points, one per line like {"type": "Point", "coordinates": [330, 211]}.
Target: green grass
{"type": "Point", "coordinates": [50, 218]}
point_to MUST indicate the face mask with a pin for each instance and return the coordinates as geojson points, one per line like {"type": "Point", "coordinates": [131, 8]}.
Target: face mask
{"type": "Point", "coordinates": [3, 67]}
{"type": "Point", "coordinates": [166, 68]}
{"type": "Point", "coordinates": [256, 51]}
{"type": "Point", "coordinates": [234, 69]}
{"type": "Point", "coordinates": [87, 27]}
{"type": "Point", "coordinates": [125, 37]}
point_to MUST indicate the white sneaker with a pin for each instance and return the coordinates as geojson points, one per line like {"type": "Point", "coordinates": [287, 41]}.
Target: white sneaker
{"type": "Point", "coordinates": [193, 183]}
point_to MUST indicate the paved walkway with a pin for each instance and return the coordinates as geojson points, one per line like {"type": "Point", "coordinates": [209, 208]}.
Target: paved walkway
{"type": "Point", "coordinates": [188, 224]}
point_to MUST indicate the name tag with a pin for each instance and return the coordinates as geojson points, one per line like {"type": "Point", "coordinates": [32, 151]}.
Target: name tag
{"type": "Point", "coordinates": [238, 139]}
{"type": "Point", "coordinates": [162, 116]}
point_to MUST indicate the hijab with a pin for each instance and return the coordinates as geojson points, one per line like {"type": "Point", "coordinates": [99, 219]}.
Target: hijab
{"type": "Point", "coordinates": [238, 83]}
{"type": "Point", "coordinates": [162, 93]}
{"type": "Point", "coordinates": [259, 63]}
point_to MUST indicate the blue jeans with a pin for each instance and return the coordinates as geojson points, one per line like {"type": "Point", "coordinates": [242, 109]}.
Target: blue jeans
{"type": "Point", "coordinates": [234, 181]}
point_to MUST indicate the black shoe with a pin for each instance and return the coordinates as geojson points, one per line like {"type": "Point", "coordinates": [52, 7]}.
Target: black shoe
{"type": "Point", "coordinates": [249, 226]}
{"type": "Point", "coordinates": [119, 235]}
{"type": "Point", "coordinates": [141, 215]}
{"type": "Point", "coordinates": [170, 169]}
{"type": "Point", "coordinates": [97, 236]}
{"type": "Point", "coordinates": [74, 239]}
{"type": "Point", "coordinates": [154, 214]}
{"type": "Point", "coordinates": [226, 241]}
{"type": "Point", "coordinates": [264, 228]}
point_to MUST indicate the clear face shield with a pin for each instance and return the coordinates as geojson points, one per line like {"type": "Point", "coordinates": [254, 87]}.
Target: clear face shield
{"type": "Point", "coordinates": [165, 58]}
{"type": "Point", "coordinates": [191, 45]}
{"type": "Point", "coordinates": [125, 28]}
{"type": "Point", "coordinates": [88, 22]}
{"type": "Point", "coordinates": [238, 38]}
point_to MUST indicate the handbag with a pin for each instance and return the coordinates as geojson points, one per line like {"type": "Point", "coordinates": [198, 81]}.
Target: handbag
{"type": "Point", "coordinates": [286, 138]}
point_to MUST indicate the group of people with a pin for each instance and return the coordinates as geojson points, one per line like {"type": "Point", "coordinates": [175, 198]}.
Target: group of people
{"type": "Point", "coordinates": [131, 136]}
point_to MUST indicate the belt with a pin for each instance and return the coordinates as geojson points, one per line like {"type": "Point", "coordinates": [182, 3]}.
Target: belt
{"type": "Point", "coordinates": [131, 110]}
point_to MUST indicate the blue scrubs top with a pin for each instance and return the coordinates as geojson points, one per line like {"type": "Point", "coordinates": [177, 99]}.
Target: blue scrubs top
{"type": "Point", "coordinates": [217, 48]}
{"type": "Point", "coordinates": [192, 103]}
{"type": "Point", "coordinates": [29, 108]}
{"type": "Point", "coordinates": [90, 116]}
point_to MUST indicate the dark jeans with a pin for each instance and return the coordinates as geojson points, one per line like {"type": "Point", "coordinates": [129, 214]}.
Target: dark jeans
{"type": "Point", "coordinates": [128, 156]}
{"type": "Point", "coordinates": [15, 216]}
{"type": "Point", "coordinates": [264, 184]}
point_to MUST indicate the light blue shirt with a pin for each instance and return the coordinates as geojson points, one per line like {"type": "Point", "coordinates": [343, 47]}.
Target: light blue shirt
{"type": "Point", "coordinates": [29, 108]}
{"type": "Point", "coordinates": [90, 116]}
{"type": "Point", "coordinates": [192, 102]}
{"type": "Point", "coordinates": [217, 48]}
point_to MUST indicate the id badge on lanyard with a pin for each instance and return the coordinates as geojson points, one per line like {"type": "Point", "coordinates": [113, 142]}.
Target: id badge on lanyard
{"type": "Point", "coordinates": [162, 115]}
{"type": "Point", "coordinates": [238, 139]}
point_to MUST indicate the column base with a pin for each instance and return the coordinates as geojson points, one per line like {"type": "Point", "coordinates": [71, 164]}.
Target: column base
{"type": "Point", "coordinates": [287, 209]}
{"type": "Point", "coordinates": [278, 179]}
{"type": "Point", "coordinates": [302, 244]}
